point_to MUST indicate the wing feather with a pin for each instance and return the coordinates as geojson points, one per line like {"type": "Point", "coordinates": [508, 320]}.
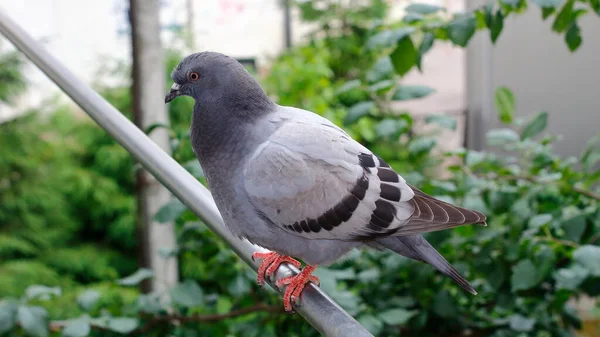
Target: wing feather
{"type": "Point", "coordinates": [312, 179]}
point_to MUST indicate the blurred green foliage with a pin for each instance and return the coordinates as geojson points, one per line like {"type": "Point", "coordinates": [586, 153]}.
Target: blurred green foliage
{"type": "Point", "coordinates": [67, 208]}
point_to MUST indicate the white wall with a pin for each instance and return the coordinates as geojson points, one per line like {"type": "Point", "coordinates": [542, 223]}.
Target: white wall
{"type": "Point", "coordinates": [79, 33]}
{"type": "Point", "coordinates": [86, 33]}
{"type": "Point", "coordinates": [536, 64]}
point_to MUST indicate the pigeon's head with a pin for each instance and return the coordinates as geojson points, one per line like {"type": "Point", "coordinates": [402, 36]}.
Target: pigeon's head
{"type": "Point", "coordinates": [214, 79]}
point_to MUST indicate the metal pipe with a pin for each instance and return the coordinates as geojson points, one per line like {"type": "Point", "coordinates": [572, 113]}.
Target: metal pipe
{"type": "Point", "coordinates": [287, 24]}
{"type": "Point", "coordinates": [316, 307]}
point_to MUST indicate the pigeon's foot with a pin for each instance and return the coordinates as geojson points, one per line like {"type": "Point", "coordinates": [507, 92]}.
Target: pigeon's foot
{"type": "Point", "coordinates": [295, 285]}
{"type": "Point", "coordinates": [271, 261]}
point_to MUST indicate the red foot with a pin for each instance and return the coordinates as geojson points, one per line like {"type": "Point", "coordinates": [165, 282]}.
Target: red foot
{"type": "Point", "coordinates": [271, 261]}
{"type": "Point", "coordinates": [295, 285]}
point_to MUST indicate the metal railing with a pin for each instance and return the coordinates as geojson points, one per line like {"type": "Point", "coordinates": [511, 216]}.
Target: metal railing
{"type": "Point", "coordinates": [316, 307]}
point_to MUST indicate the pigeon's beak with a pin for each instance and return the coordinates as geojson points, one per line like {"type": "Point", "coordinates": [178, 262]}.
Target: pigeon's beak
{"type": "Point", "coordinates": [173, 93]}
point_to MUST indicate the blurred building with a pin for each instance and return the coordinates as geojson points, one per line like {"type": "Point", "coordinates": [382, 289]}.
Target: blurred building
{"type": "Point", "coordinates": [536, 64]}
{"type": "Point", "coordinates": [528, 58]}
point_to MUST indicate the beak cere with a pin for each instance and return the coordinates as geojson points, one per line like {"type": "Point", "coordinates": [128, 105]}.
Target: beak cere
{"type": "Point", "coordinates": [173, 93]}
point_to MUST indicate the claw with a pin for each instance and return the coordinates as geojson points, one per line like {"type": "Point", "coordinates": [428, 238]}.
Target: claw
{"type": "Point", "coordinates": [270, 264]}
{"type": "Point", "coordinates": [295, 285]}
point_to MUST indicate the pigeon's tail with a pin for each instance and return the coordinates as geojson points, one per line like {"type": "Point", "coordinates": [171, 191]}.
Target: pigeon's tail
{"type": "Point", "coordinates": [417, 248]}
{"type": "Point", "coordinates": [431, 214]}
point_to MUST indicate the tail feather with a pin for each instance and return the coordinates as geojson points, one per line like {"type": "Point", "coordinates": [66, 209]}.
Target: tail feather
{"type": "Point", "coordinates": [417, 248]}
{"type": "Point", "coordinates": [431, 214]}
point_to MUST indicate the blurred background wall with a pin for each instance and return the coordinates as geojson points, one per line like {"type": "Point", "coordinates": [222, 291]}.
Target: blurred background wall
{"type": "Point", "coordinates": [526, 58]}
{"type": "Point", "coordinates": [83, 33]}
{"type": "Point", "coordinates": [545, 76]}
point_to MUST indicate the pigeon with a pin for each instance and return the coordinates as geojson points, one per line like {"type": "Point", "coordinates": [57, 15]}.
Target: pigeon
{"type": "Point", "coordinates": [293, 182]}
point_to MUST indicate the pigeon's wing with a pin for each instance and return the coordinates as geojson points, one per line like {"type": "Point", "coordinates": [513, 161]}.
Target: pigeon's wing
{"type": "Point", "coordinates": [312, 179]}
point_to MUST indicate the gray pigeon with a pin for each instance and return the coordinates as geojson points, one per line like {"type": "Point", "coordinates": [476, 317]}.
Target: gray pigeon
{"type": "Point", "coordinates": [293, 182]}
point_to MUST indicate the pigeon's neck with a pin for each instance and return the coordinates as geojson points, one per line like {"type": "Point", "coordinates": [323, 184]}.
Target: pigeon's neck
{"type": "Point", "coordinates": [225, 129]}
{"type": "Point", "coordinates": [223, 120]}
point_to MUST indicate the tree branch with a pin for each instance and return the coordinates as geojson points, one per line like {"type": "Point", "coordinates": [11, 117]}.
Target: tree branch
{"type": "Point", "coordinates": [177, 318]}
{"type": "Point", "coordinates": [154, 320]}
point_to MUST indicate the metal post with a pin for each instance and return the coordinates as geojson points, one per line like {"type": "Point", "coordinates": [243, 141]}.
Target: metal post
{"type": "Point", "coordinates": [287, 23]}
{"type": "Point", "coordinates": [316, 307]}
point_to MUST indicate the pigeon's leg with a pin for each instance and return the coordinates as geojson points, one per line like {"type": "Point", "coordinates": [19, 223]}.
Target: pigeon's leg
{"type": "Point", "coordinates": [271, 261]}
{"type": "Point", "coordinates": [295, 285]}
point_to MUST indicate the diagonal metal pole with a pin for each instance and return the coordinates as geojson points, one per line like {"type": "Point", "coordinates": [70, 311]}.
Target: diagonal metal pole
{"type": "Point", "coordinates": [316, 307]}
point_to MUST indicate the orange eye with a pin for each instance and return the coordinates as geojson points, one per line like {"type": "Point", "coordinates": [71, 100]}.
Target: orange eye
{"type": "Point", "coordinates": [193, 76]}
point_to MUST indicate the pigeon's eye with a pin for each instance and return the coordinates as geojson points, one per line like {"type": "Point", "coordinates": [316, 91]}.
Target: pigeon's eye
{"type": "Point", "coordinates": [193, 76]}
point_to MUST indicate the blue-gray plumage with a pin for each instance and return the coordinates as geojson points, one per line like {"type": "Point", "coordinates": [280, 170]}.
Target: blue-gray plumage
{"type": "Point", "coordinates": [293, 182]}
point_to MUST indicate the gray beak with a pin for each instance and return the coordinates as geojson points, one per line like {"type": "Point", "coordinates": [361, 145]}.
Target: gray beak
{"type": "Point", "coordinates": [173, 93]}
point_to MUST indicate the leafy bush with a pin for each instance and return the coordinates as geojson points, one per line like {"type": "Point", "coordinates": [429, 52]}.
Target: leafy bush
{"type": "Point", "coordinates": [539, 251]}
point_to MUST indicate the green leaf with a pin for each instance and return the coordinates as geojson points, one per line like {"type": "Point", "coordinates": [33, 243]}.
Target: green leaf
{"type": "Point", "coordinates": [390, 127]}
{"type": "Point", "coordinates": [373, 324]}
{"type": "Point", "coordinates": [407, 92]}
{"type": "Point", "coordinates": [573, 37]}
{"type": "Point", "coordinates": [444, 305]}
{"type": "Point", "coordinates": [170, 211]}
{"type": "Point", "coordinates": [358, 110]}
{"type": "Point", "coordinates": [496, 137]}
{"type": "Point", "coordinates": [239, 286]}
{"type": "Point", "coordinates": [404, 57]}
{"type": "Point", "coordinates": [194, 168]}
{"type": "Point", "coordinates": [421, 145]}
{"type": "Point", "coordinates": [88, 299]}
{"type": "Point", "coordinates": [588, 256]}
{"type": "Point", "coordinates": [223, 305]}
{"type": "Point", "coordinates": [546, 12]}
{"type": "Point", "coordinates": [521, 323]}
{"type": "Point", "coordinates": [369, 275]}
{"type": "Point", "coordinates": [41, 292]}
{"type": "Point", "coordinates": [34, 320]}
{"type": "Point", "coordinates": [540, 220]}
{"type": "Point", "coordinates": [536, 125]}
{"type": "Point", "coordinates": [423, 8]}
{"type": "Point", "coordinates": [403, 302]}
{"type": "Point", "coordinates": [545, 260]}
{"type": "Point", "coordinates": [149, 303]}
{"type": "Point", "coordinates": [381, 86]}
{"type": "Point", "coordinates": [396, 316]}
{"type": "Point", "coordinates": [155, 126]}
{"type": "Point", "coordinates": [505, 104]}
{"type": "Point", "coordinates": [595, 4]}
{"type": "Point", "coordinates": [547, 3]}
{"type": "Point", "coordinates": [348, 86]}
{"type": "Point", "coordinates": [564, 18]}
{"type": "Point", "coordinates": [488, 11]}
{"type": "Point", "coordinates": [424, 47]}
{"type": "Point", "coordinates": [347, 300]}
{"type": "Point", "coordinates": [8, 316]}
{"type": "Point", "coordinates": [77, 328]}
{"type": "Point", "coordinates": [574, 227]}
{"type": "Point", "coordinates": [123, 325]}
{"type": "Point", "coordinates": [570, 278]}
{"type": "Point", "coordinates": [496, 278]}
{"type": "Point", "coordinates": [473, 158]}
{"type": "Point", "coordinates": [524, 276]}
{"type": "Point", "coordinates": [496, 26]}
{"type": "Point", "coordinates": [383, 68]}
{"type": "Point", "coordinates": [445, 121]}
{"type": "Point", "coordinates": [412, 18]}
{"type": "Point", "coordinates": [388, 38]}
{"type": "Point", "coordinates": [188, 294]}
{"type": "Point", "coordinates": [137, 277]}
{"type": "Point", "coordinates": [511, 3]}
{"type": "Point", "coordinates": [461, 30]}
